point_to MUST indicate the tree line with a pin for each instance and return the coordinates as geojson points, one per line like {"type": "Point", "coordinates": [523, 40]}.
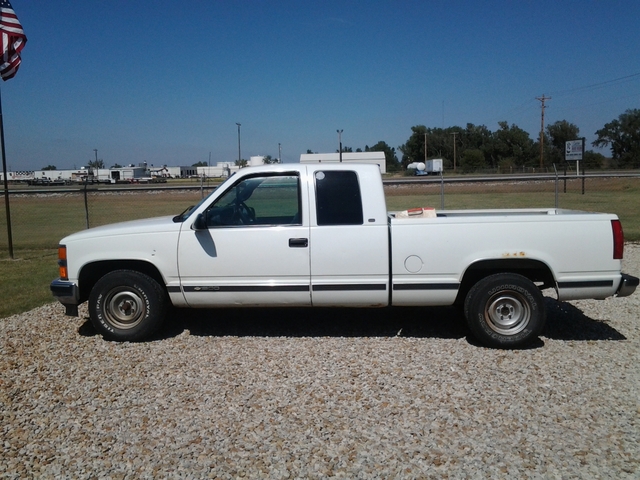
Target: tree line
{"type": "Point", "coordinates": [509, 148]}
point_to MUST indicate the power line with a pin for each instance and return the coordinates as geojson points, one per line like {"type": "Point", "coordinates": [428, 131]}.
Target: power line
{"type": "Point", "coordinates": [596, 85]}
{"type": "Point", "coordinates": [517, 110]}
{"type": "Point", "coordinates": [526, 105]}
{"type": "Point", "coordinates": [602, 102]}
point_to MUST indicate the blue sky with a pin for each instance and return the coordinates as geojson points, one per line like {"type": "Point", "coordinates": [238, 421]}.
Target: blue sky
{"type": "Point", "coordinates": [165, 82]}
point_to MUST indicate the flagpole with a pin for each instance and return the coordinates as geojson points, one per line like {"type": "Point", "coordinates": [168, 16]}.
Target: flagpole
{"type": "Point", "coordinates": [6, 182]}
{"type": "Point", "coordinates": [12, 42]}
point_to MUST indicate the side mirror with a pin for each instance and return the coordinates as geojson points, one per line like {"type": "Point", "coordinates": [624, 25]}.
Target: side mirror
{"type": "Point", "coordinates": [200, 223]}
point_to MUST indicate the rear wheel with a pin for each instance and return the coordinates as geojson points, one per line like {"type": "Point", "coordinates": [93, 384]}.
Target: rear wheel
{"type": "Point", "coordinates": [505, 310]}
{"type": "Point", "coordinates": [126, 305]}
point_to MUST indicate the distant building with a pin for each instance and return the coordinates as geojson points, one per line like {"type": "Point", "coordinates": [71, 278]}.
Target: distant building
{"type": "Point", "coordinates": [373, 158]}
{"type": "Point", "coordinates": [17, 176]}
{"type": "Point", "coordinates": [221, 169]}
{"type": "Point", "coordinates": [182, 172]}
{"type": "Point", "coordinates": [256, 161]}
{"type": "Point", "coordinates": [120, 174]}
{"type": "Point", "coordinates": [59, 175]}
{"type": "Point", "coordinates": [129, 173]}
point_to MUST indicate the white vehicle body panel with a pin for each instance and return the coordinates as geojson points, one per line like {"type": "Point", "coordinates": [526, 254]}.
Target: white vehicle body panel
{"type": "Point", "coordinates": [244, 266]}
{"type": "Point", "coordinates": [383, 259]}
{"type": "Point", "coordinates": [441, 249]}
{"type": "Point", "coordinates": [350, 263]}
{"type": "Point", "coordinates": [151, 240]}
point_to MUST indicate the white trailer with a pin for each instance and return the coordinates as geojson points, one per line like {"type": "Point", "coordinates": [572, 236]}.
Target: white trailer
{"type": "Point", "coordinates": [433, 166]}
{"type": "Point", "coordinates": [427, 168]}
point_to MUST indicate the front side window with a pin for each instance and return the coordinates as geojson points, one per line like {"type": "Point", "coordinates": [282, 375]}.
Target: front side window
{"type": "Point", "coordinates": [338, 199]}
{"type": "Point", "coordinates": [259, 200]}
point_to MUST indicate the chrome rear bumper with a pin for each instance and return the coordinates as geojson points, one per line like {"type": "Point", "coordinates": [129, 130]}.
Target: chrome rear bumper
{"type": "Point", "coordinates": [627, 285]}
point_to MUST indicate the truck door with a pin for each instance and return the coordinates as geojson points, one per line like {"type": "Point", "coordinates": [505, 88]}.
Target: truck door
{"type": "Point", "coordinates": [250, 246]}
{"type": "Point", "coordinates": [349, 238]}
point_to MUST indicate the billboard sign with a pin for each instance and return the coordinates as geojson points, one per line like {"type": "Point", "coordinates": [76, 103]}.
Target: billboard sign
{"type": "Point", "coordinates": [573, 150]}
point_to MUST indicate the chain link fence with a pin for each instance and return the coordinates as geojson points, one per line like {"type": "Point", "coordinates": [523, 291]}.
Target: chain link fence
{"type": "Point", "coordinates": [513, 186]}
{"type": "Point", "coordinates": [39, 219]}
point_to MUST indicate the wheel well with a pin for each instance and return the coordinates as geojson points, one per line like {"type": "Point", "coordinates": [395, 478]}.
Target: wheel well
{"type": "Point", "coordinates": [93, 272]}
{"type": "Point", "coordinates": [535, 270]}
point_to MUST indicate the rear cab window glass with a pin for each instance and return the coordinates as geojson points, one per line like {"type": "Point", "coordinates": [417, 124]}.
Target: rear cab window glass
{"type": "Point", "coordinates": [338, 199]}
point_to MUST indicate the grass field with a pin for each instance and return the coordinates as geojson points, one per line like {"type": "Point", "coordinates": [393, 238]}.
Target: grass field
{"type": "Point", "coordinates": [39, 222]}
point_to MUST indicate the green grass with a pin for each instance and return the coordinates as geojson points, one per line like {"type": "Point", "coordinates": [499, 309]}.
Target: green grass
{"type": "Point", "coordinates": [25, 280]}
{"type": "Point", "coordinates": [38, 223]}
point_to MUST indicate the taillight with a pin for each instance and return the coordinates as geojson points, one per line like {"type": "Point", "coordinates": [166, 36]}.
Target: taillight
{"type": "Point", "coordinates": [62, 262]}
{"type": "Point", "coordinates": [618, 239]}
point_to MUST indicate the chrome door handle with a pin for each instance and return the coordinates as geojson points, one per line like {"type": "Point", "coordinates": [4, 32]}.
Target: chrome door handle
{"type": "Point", "coordinates": [298, 242]}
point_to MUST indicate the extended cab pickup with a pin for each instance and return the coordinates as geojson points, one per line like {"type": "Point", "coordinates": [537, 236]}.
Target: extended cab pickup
{"type": "Point", "coordinates": [320, 235]}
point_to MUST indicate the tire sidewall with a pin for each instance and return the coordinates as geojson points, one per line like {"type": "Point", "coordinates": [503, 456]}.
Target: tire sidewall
{"type": "Point", "coordinates": [484, 290]}
{"type": "Point", "coordinates": [149, 291]}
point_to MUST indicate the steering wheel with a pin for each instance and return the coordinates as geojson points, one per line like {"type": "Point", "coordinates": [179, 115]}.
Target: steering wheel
{"type": "Point", "coordinates": [244, 215]}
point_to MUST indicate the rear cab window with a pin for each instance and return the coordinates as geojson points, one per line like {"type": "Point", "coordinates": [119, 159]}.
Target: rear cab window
{"type": "Point", "coordinates": [338, 198]}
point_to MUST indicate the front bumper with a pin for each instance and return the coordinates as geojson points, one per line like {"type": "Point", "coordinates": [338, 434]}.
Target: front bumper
{"type": "Point", "coordinates": [627, 285]}
{"type": "Point", "coordinates": [68, 294]}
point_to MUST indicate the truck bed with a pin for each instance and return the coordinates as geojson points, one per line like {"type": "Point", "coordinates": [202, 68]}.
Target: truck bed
{"type": "Point", "coordinates": [430, 255]}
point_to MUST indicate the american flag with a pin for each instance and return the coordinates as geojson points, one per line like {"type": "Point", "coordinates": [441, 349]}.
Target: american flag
{"type": "Point", "coordinates": [13, 40]}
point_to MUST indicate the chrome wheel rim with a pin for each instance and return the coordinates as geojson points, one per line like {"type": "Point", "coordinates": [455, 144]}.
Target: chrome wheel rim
{"type": "Point", "coordinates": [508, 313]}
{"type": "Point", "coordinates": [124, 308]}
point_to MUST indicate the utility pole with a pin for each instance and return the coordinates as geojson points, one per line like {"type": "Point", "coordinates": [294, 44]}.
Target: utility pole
{"type": "Point", "coordinates": [279, 153]}
{"type": "Point", "coordinates": [425, 147]}
{"type": "Point", "coordinates": [454, 150]}
{"type": "Point", "coordinates": [340, 142]}
{"type": "Point", "coordinates": [542, 107]}
{"type": "Point", "coordinates": [239, 157]}
{"type": "Point", "coordinates": [94, 171]}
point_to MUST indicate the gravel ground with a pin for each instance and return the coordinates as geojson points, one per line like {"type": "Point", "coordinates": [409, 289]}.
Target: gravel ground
{"type": "Point", "coordinates": [400, 393]}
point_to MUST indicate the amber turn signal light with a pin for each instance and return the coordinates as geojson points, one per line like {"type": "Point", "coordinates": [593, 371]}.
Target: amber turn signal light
{"type": "Point", "coordinates": [62, 262]}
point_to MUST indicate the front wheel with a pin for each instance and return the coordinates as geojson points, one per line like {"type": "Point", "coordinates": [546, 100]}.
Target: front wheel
{"type": "Point", "coordinates": [126, 305]}
{"type": "Point", "coordinates": [505, 310]}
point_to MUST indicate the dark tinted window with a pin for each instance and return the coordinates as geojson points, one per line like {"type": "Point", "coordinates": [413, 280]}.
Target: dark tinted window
{"type": "Point", "coordinates": [338, 200]}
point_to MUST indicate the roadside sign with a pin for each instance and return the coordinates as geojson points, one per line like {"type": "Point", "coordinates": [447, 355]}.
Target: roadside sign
{"type": "Point", "coordinates": [574, 150]}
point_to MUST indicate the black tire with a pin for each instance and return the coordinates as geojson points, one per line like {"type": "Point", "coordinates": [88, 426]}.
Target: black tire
{"type": "Point", "coordinates": [126, 305]}
{"type": "Point", "coordinates": [505, 310]}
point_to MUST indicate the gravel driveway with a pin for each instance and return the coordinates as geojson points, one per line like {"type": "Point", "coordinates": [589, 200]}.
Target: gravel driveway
{"type": "Point", "coordinates": [400, 393]}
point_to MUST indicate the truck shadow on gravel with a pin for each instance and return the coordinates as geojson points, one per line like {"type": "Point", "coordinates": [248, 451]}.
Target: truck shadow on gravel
{"type": "Point", "coordinates": [567, 322]}
{"type": "Point", "coordinates": [564, 322]}
{"type": "Point", "coordinates": [437, 322]}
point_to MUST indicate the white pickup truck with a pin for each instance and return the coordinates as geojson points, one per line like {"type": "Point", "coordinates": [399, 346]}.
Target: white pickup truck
{"type": "Point", "coordinates": [320, 235]}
